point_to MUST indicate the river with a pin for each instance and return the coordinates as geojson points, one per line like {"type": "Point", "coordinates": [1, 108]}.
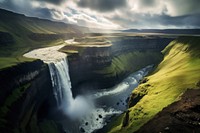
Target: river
{"type": "Point", "coordinates": [85, 113]}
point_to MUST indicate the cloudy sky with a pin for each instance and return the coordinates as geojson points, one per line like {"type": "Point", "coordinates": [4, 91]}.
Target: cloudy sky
{"type": "Point", "coordinates": [113, 14]}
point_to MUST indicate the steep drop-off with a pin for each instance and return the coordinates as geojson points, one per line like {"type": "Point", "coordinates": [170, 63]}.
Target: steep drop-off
{"type": "Point", "coordinates": [26, 96]}
{"type": "Point", "coordinates": [178, 72]}
{"type": "Point", "coordinates": [95, 64]}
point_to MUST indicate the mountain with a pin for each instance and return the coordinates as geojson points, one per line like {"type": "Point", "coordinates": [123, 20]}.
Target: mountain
{"type": "Point", "coordinates": [19, 34]}
{"type": "Point", "coordinates": [165, 31]}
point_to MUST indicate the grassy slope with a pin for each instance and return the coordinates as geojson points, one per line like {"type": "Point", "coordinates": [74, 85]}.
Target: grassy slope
{"type": "Point", "coordinates": [131, 61]}
{"type": "Point", "coordinates": [20, 27]}
{"type": "Point", "coordinates": [178, 71]}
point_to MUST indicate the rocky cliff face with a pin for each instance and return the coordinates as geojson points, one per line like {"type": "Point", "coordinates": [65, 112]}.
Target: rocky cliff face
{"type": "Point", "coordinates": [25, 97]}
{"type": "Point", "coordinates": [165, 100]}
{"type": "Point", "coordinates": [96, 68]}
{"type": "Point", "coordinates": [83, 66]}
{"type": "Point", "coordinates": [140, 43]}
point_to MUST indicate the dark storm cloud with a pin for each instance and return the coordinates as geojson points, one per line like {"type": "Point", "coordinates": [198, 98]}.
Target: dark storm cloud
{"type": "Point", "coordinates": [148, 2]}
{"type": "Point", "coordinates": [185, 21]}
{"type": "Point", "coordinates": [152, 21]}
{"type": "Point", "coordinates": [43, 13]}
{"type": "Point", "coordinates": [25, 7]}
{"type": "Point", "coordinates": [102, 5]}
{"type": "Point", "coordinates": [17, 6]}
{"type": "Point", "coordinates": [130, 13]}
{"type": "Point", "coordinates": [56, 2]}
{"type": "Point", "coordinates": [184, 7]}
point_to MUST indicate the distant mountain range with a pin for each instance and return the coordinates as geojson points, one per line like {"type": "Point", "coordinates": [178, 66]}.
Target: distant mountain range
{"type": "Point", "coordinates": [164, 31]}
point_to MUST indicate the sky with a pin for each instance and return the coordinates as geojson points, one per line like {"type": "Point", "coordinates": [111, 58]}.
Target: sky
{"type": "Point", "coordinates": [113, 14]}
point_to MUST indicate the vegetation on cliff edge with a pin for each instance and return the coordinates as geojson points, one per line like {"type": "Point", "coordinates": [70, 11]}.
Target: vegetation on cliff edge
{"type": "Point", "coordinates": [178, 72]}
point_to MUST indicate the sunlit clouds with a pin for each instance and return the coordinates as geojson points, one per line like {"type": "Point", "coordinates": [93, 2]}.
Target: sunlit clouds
{"type": "Point", "coordinates": [113, 14]}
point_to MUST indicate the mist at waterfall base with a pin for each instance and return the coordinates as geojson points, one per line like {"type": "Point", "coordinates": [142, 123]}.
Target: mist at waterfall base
{"type": "Point", "coordinates": [73, 108]}
{"type": "Point", "coordinates": [90, 112]}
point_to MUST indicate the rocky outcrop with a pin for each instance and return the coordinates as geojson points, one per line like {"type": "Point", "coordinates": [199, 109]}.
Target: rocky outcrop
{"type": "Point", "coordinates": [83, 66]}
{"type": "Point", "coordinates": [139, 43]}
{"type": "Point", "coordinates": [26, 96]}
{"type": "Point", "coordinates": [15, 76]}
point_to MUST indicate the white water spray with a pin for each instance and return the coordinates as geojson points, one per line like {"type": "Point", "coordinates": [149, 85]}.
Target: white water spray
{"type": "Point", "coordinates": [59, 71]}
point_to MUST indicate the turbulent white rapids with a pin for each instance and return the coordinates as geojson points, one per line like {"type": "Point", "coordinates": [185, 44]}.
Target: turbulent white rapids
{"type": "Point", "coordinates": [93, 111]}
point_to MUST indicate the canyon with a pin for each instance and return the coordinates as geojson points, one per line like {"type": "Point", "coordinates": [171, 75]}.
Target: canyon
{"type": "Point", "coordinates": [86, 70]}
{"type": "Point", "coordinates": [58, 78]}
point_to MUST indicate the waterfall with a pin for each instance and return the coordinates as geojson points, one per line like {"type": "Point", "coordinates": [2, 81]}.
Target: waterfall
{"type": "Point", "coordinates": [83, 109]}
{"type": "Point", "coordinates": [61, 83]}
{"type": "Point", "coordinates": [59, 72]}
{"type": "Point", "coordinates": [73, 108]}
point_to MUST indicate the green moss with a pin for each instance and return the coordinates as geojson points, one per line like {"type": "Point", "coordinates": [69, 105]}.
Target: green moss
{"type": "Point", "coordinates": [13, 97]}
{"type": "Point", "coordinates": [26, 119]}
{"type": "Point", "coordinates": [48, 126]}
{"type": "Point", "coordinates": [174, 75]}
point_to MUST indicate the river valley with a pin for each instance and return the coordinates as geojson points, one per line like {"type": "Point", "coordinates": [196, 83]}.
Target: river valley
{"type": "Point", "coordinates": [92, 111]}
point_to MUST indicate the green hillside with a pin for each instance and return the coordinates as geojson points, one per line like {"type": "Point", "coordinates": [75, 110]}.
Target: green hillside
{"type": "Point", "coordinates": [19, 34]}
{"type": "Point", "coordinates": [130, 62]}
{"type": "Point", "coordinates": [178, 72]}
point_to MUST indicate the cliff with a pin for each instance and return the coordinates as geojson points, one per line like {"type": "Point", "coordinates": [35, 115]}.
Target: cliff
{"type": "Point", "coordinates": [25, 99]}
{"type": "Point", "coordinates": [95, 64]}
{"type": "Point", "coordinates": [178, 72]}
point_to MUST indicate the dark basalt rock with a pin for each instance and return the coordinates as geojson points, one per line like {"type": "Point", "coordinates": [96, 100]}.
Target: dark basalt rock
{"type": "Point", "coordinates": [126, 119]}
{"type": "Point", "coordinates": [86, 123]}
{"type": "Point", "coordinates": [100, 116]}
{"type": "Point", "coordinates": [29, 84]}
{"type": "Point", "coordinates": [15, 76]}
{"type": "Point", "coordinates": [82, 130]}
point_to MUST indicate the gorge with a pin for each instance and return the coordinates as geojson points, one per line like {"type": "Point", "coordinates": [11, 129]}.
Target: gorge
{"type": "Point", "coordinates": [57, 77]}
{"type": "Point", "coordinates": [92, 108]}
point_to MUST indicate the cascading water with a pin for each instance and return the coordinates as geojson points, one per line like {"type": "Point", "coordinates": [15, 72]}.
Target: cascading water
{"type": "Point", "coordinates": [61, 83]}
{"type": "Point", "coordinates": [84, 116]}
{"type": "Point", "coordinates": [59, 71]}
{"type": "Point", "coordinates": [74, 108]}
